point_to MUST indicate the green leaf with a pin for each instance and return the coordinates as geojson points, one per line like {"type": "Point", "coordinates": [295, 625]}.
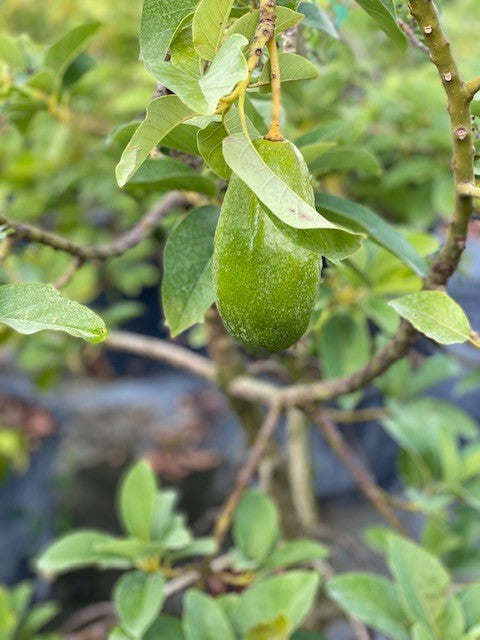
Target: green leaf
{"type": "Point", "coordinates": [204, 619]}
{"type": "Point", "coordinates": [167, 174]}
{"type": "Point", "coordinates": [469, 598]}
{"type": "Point", "coordinates": [12, 52]}
{"type": "Point", "coordinates": [323, 236]}
{"type": "Point", "coordinates": [452, 620]}
{"type": "Point", "coordinates": [292, 68]}
{"type": "Point", "coordinates": [345, 212]}
{"type": "Point", "coordinates": [77, 550]}
{"type": "Point", "coordinates": [278, 629]}
{"type": "Point", "coordinates": [165, 628]}
{"type": "Point", "coordinates": [209, 142]}
{"type": "Point", "coordinates": [312, 151]}
{"type": "Point", "coordinates": [421, 580]}
{"type": "Point", "coordinates": [163, 513]}
{"type": "Point", "coordinates": [163, 115]}
{"type": "Point", "coordinates": [202, 93]}
{"type": "Point", "coordinates": [344, 343]}
{"type": "Point", "coordinates": [35, 620]}
{"type": "Point", "coordinates": [61, 53]}
{"type": "Point", "coordinates": [435, 314]}
{"type": "Point", "coordinates": [346, 159]}
{"type": "Point", "coordinates": [187, 287]}
{"type": "Point", "coordinates": [199, 547]}
{"type": "Point", "coordinates": [137, 500]}
{"type": "Point", "coordinates": [161, 20]}
{"type": "Point", "coordinates": [247, 24]}
{"type": "Point", "coordinates": [183, 138]}
{"type": "Point", "coordinates": [182, 53]}
{"type": "Point", "coordinates": [291, 595]}
{"type": "Point", "coordinates": [420, 631]}
{"type": "Point", "coordinates": [30, 307]}
{"type": "Point", "coordinates": [209, 22]}
{"type": "Point", "coordinates": [138, 599]}
{"type": "Point", "coordinates": [373, 600]}
{"type": "Point", "coordinates": [383, 12]}
{"type": "Point", "coordinates": [317, 18]}
{"type": "Point", "coordinates": [295, 552]}
{"type": "Point", "coordinates": [255, 525]}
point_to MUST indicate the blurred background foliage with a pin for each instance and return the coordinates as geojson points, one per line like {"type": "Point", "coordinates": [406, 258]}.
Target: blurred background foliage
{"type": "Point", "coordinates": [373, 127]}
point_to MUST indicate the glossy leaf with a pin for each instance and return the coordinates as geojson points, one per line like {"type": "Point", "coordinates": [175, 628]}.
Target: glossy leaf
{"type": "Point", "coordinates": [347, 212]}
{"type": "Point", "coordinates": [202, 93]}
{"type": "Point", "coordinates": [60, 54]}
{"type": "Point", "coordinates": [383, 12]}
{"type": "Point", "coordinates": [317, 18]}
{"type": "Point", "coordinates": [137, 514]}
{"type": "Point", "coordinates": [209, 22]}
{"type": "Point", "coordinates": [347, 159]}
{"type": "Point", "coordinates": [31, 307]}
{"type": "Point", "coordinates": [255, 525]}
{"type": "Point", "coordinates": [373, 600]}
{"type": "Point", "coordinates": [292, 68]}
{"type": "Point", "coordinates": [187, 287]}
{"type": "Point", "coordinates": [204, 619]}
{"type": "Point", "coordinates": [77, 550]}
{"type": "Point", "coordinates": [163, 115]}
{"type": "Point", "coordinates": [167, 174]}
{"type": "Point", "coordinates": [422, 581]}
{"type": "Point", "coordinates": [290, 595]}
{"type": "Point", "coordinates": [138, 598]}
{"type": "Point", "coordinates": [161, 20]}
{"type": "Point", "coordinates": [209, 142]}
{"type": "Point", "coordinates": [295, 552]}
{"type": "Point", "coordinates": [435, 314]}
{"type": "Point", "coordinates": [323, 236]}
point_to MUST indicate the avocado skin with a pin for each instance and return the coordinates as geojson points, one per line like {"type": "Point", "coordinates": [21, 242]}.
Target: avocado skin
{"type": "Point", "coordinates": [265, 284]}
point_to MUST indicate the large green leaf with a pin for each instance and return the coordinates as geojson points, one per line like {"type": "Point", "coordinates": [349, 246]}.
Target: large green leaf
{"type": "Point", "coordinates": [343, 343]}
{"type": "Point", "coordinates": [435, 314]}
{"type": "Point", "coordinates": [469, 597]}
{"type": "Point", "coordinates": [163, 115]}
{"type": "Point", "coordinates": [202, 93]}
{"type": "Point", "coordinates": [292, 67]}
{"type": "Point", "coordinates": [373, 600]}
{"type": "Point", "coordinates": [138, 598]}
{"type": "Point", "coordinates": [204, 619]}
{"type": "Point", "coordinates": [295, 552]}
{"type": "Point", "coordinates": [209, 22]}
{"type": "Point", "coordinates": [77, 550]}
{"type": "Point", "coordinates": [322, 236]}
{"type": "Point", "coordinates": [317, 18]}
{"type": "Point", "coordinates": [255, 525]}
{"type": "Point", "coordinates": [383, 12]}
{"type": "Point", "coordinates": [62, 52]}
{"type": "Point", "coordinates": [161, 20]}
{"type": "Point", "coordinates": [187, 287]}
{"type": "Point", "coordinates": [346, 212]}
{"type": "Point", "coordinates": [209, 141]}
{"type": "Point", "coordinates": [421, 581]}
{"type": "Point", "coordinates": [165, 628]}
{"type": "Point", "coordinates": [138, 500]}
{"type": "Point", "coordinates": [30, 307]}
{"type": "Point", "coordinates": [290, 595]}
{"type": "Point", "coordinates": [167, 174]}
{"type": "Point", "coordinates": [346, 159]}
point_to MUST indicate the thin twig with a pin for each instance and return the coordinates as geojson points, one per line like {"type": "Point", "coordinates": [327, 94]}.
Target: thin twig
{"type": "Point", "coordinates": [117, 247]}
{"type": "Point", "coordinates": [361, 474]}
{"type": "Point", "coordinates": [69, 272]}
{"type": "Point", "coordinates": [247, 472]}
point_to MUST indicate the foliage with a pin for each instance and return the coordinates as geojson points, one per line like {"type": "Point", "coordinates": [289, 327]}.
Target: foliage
{"type": "Point", "coordinates": [85, 162]}
{"type": "Point", "coordinates": [19, 619]}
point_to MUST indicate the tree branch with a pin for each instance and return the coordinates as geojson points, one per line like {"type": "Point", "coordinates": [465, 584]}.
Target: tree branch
{"type": "Point", "coordinates": [246, 474]}
{"type": "Point", "coordinates": [117, 247]}
{"type": "Point", "coordinates": [361, 474]}
{"type": "Point", "coordinates": [163, 351]}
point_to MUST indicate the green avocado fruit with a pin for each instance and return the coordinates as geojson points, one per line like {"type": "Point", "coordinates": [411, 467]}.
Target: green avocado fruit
{"type": "Point", "coordinates": [265, 283]}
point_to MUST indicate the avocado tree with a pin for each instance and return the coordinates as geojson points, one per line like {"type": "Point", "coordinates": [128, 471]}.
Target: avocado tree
{"type": "Point", "coordinates": [267, 254]}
